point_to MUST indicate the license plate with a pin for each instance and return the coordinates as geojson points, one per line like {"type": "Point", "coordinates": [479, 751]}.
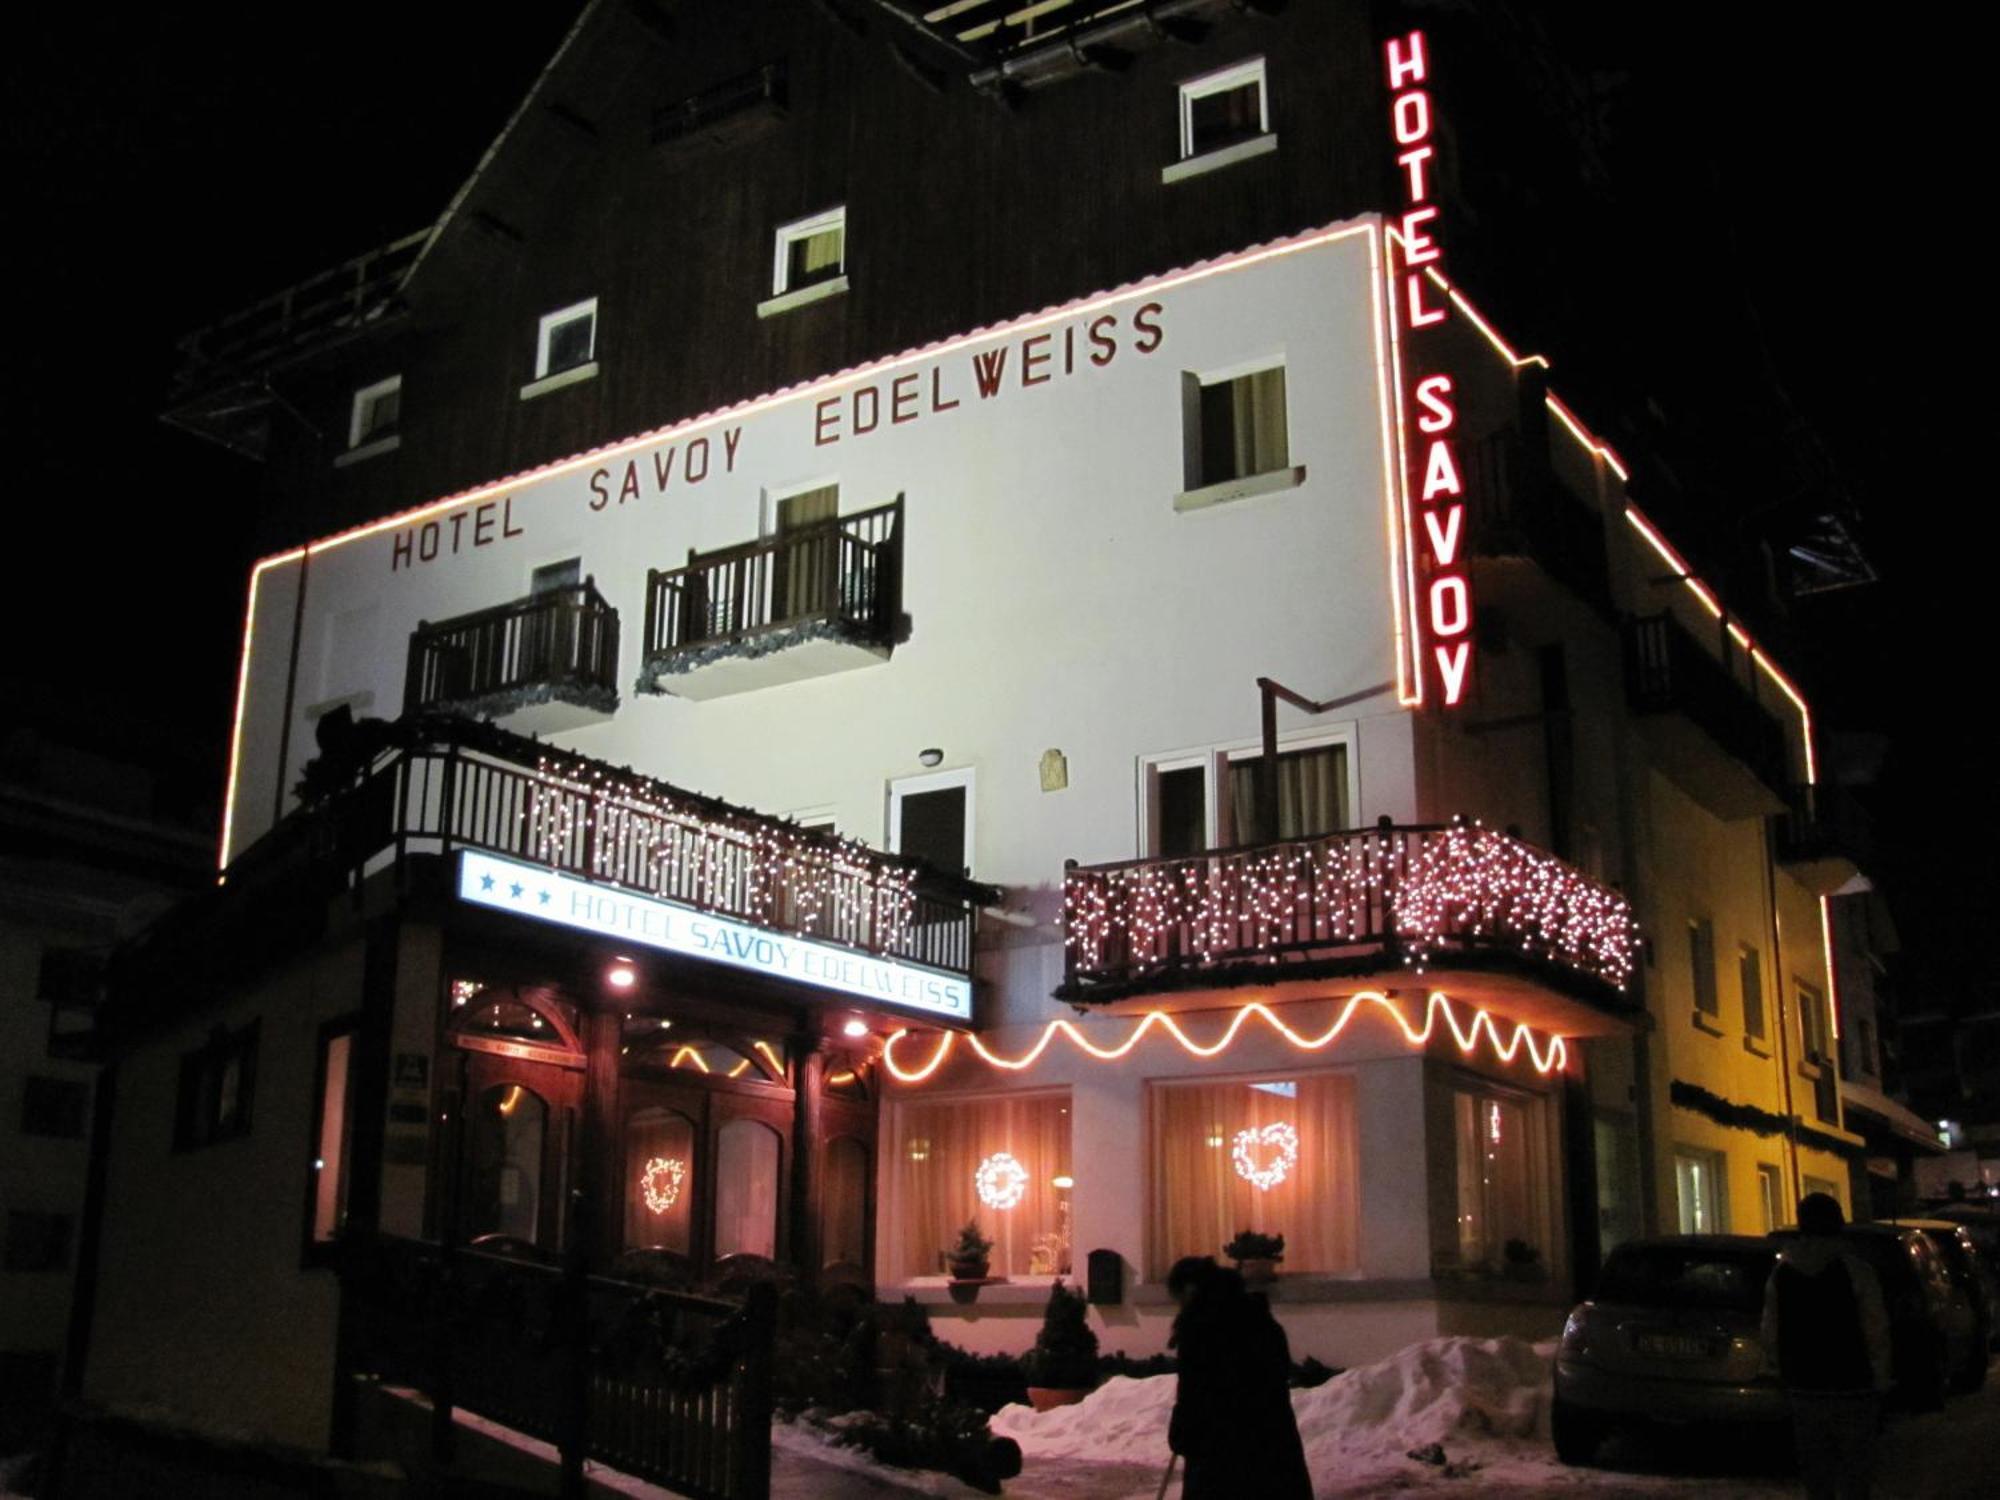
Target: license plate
{"type": "Point", "coordinates": [1673, 1345]}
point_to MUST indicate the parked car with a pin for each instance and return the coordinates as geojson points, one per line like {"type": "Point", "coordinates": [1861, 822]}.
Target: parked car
{"type": "Point", "coordinates": [1670, 1335]}
{"type": "Point", "coordinates": [1973, 1272]}
{"type": "Point", "coordinates": [1933, 1333]}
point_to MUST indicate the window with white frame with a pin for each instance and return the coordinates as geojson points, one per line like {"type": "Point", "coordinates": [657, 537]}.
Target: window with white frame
{"type": "Point", "coordinates": [566, 339]}
{"type": "Point", "coordinates": [810, 251]}
{"type": "Point", "coordinates": [1771, 1197]}
{"type": "Point", "coordinates": [1234, 425]}
{"type": "Point", "coordinates": [1815, 1035]}
{"type": "Point", "coordinates": [930, 817]}
{"type": "Point", "coordinates": [1701, 968]}
{"type": "Point", "coordinates": [1505, 1199]}
{"type": "Point", "coordinates": [1274, 1153]}
{"type": "Point", "coordinates": [1750, 978]}
{"type": "Point", "coordinates": [377, 412]}
{"type": "Point", "coordinates": [1224, 108]}
{"type": "Point", "coordinates": [1214, 799]}
{"type": "Point", "coordinates": [1699, 1192]}
{"type": "Point", "coordinates": [1002, 1159]}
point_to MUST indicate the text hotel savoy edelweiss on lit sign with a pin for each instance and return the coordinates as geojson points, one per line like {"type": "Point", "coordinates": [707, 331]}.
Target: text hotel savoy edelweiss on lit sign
{"type": "Point", "coordinates": [529, 891]}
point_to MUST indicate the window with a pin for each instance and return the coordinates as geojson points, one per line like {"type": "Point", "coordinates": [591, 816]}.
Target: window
{"type": "Point", "coordinates": [746, 1190]}
{"type": "Point", "coordinates": [1211, 801]}
{"type": "Point", "coordinates": [37, 1241]}
{"type": "Point", "coordinates": [807, 565]}
{"type": "Point", "coordinates": [930, 817]}
{"type": "Point", "coordinates": [566, 339]}
{"type": "Point", "coordinates": [1234, 426]}
{"type": "Point", "coordinates": [659, 1181]}
{"type": "Point", "coordinates": [333, 1132]}
{"type": "Point", "coordinates": [1223, 109]}
{"type": "Point", "coordinates": [1272, 1154]}
{"type": "Point", "coordinates": [1771, 1197]}
{"type": "Point", "coordinates": [811, 252]}
{"type": "Point", "coordinates": [1698, 1189]}
{"type": "Point", "coordinates": [553, 578]}
{"type": "Point", "coordinates": [508, 1128]}
{"type": "Point", "coordinates": [1822, 1185]}
{"type": "Point", "coordinates": [376, 414]}
{"type": "Point", "coordinates": [54, 1106]}
{"type": "Point", "coordinates": [217, 1083]}
{"type": "Point", "coordinates": [999, 1159]}
{"type": "Point", "coordinates": [1814, 1037]}
{"type": "Point", "coordinates": [1701, 968]}
{"type": "Point", "coordinates": [1750, 976]}
{"type": "Point", "coordinates": [1503, 1187]}
{"type": "Point", "coordinates": [1179, 810]}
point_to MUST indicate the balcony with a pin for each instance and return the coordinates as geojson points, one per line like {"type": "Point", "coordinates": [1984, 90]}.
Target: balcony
{"type": "Point", "coordinates": [1823, 837]}
{"type": "Point", "coordinates": [539, 665]}
{"type": "Point", "coordinates": [809, 602]}
{"type": "Point", "coordinates": [1520, 510]}
{"type": "Point", "coordinates": [1368, 901]}
{"type": "Point", "coordinates": [741, 109]}
{"type": "Point", "coordinates": [1708, 733]}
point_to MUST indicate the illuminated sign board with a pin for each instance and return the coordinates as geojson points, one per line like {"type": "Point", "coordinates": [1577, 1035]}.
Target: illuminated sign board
{"type": "Point", "coordinates": [532, 891]}
{"type": "Point", "coordinates": [1441, 599]}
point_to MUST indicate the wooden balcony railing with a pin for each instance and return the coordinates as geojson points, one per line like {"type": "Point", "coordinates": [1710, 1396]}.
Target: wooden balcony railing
{"type": "Point", "coordinates": [1667, 671]}
{"type": "Point", "coordinates": [841, 576]}
{"type": "Point", "coordinates": [670, 1387]}
{"type": "Point", "coordinates": [1350, 902]}
{"type": "Point", "coordinates": [559, 644]}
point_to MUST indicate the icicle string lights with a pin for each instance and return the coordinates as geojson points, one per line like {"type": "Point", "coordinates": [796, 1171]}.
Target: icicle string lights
{"type": "Point", "coordinates": [1428, 890]}
{"type": "Point", "coordinates": [1546, 1057]}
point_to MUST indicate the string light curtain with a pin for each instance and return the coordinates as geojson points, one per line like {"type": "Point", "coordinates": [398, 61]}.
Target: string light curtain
{"type": "Point", "coordinates": [1214, 1142]}
{"type": "Point", "coordinates": [939, 1148]}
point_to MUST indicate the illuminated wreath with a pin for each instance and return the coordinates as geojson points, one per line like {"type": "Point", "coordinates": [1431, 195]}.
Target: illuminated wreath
{"type": "Point", "coordinates": [1001, 1181]}
{"type": "Point", "coordinates": [661, 1182]}
{"type": "Point", "coordinates": [1265, 1175]}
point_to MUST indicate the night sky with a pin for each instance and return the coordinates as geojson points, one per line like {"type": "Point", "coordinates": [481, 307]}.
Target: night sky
{"type": "Point", "coordinates": [169, 168]}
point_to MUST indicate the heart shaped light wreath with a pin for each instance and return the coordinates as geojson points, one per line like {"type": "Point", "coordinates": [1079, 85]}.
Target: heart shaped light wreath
{"type": "Point", "coordinates": [661, 1182]}
{"type": "Point", "coordinates": [1265, 1175]}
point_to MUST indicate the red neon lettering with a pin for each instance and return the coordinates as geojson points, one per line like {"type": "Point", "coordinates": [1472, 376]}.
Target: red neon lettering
{"type": "Point", "coordinates": [1411, 117]}
{"type": "Point", "coordinates": [1420, 315]}
{"type": "Point", "coordinates": [1440, 472]}
{"type": "Point", "coordinates": [1413, 162]}
{"type": "Point", "coordinates": [1444, 544]}
{"type": "Point", "coordinates": [1434, 396]}
{"type": "Point", "coordinates": [1418, 247]}
{"type": "Point", "coordinates": [1452, 661]}
{"type": "Point", "coordinates": [1451, 605]}
{"type": "Point", "coordinates": [1407, 62]}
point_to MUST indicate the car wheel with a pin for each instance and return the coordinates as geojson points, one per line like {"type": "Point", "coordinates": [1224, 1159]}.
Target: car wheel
{"type": "Point", "coordinates": [1577, 1433]}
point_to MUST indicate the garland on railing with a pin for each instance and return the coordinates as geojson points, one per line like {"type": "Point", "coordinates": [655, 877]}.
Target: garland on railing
{"type": "Point", "coordinates": [1462, 884]}
{"type": "Point", "coordinates": [678, 661]}
{"type": "Point", "coordinates": [1698, 1100]}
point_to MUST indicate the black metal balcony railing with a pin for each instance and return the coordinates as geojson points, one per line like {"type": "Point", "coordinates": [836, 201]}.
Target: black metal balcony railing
{"type": "Point", "coordinates": [1824, 822]}
{"type": "Point", "coordinates": [735, 109]}
{"type": "Point", "coordinates": [1667, 671]}
{"type": "Point", "coordinates": [561, 644]}
{"type": "Point", "coordinates": [670, 1387]}
{"type": "Point", "coordinates": [839, 577]}
{"type": "Point", "coordinates": [1355, 901]}
{"type": "Point", "coordinates": [1520, 509]}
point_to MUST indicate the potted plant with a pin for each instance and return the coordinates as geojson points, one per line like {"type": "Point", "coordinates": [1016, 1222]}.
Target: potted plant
{"type": "Point", "coordinates": [1521, 1261]}
{"type": "Point", "coordinates": [1062, 1367]}
{"type": "Point", "coordinates": [969, 1261]}
{"type": "Point", "coordinates": [1256, 1255]}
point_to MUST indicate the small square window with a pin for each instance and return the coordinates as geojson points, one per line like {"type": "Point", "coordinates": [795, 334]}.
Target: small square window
{"type": "Point", "coordinates": [554, 578]}
{"type": "Point", "coordinates": [1234, 427]}
{"type": "Point", "coordinates": [810, 251]}
{"type": "Point", "coordinates": [54, 1106]}
{"type": "Point", "coordinates": [377, 413]}
{"type": "Point", "coordinates": [1224, 108]}
{"type": "Point", "coordinates": [566, 339]}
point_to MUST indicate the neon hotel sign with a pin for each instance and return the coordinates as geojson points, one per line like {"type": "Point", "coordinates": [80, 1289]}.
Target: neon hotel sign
{"type": "Point", "coordinates": [1441, 602]}
{"type": "Point", "coordinates": [532, 891]}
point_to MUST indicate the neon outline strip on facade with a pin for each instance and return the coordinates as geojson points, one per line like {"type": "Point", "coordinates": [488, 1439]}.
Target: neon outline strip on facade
{"type": "Point", "coordinates": [524, 890]}
{"type": "Point", "coordinates": [1546, 1060]}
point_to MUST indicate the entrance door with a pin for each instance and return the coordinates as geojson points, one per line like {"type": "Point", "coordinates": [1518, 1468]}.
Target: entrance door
{"type": "Point", "coordinates": [519, 1117]}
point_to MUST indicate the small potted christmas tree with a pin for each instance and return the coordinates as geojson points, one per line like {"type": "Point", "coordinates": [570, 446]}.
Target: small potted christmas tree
{"type": "Point", "coordinates": [1062, 1367]}
{"type": "Point", "coordinates": [969, 1260]}
{"type": "Point", "coordinates": [1256, 1255]}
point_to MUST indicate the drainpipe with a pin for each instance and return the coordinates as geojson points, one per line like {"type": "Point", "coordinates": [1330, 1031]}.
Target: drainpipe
{"type": "Point", "coordinates": [1781, 1010]}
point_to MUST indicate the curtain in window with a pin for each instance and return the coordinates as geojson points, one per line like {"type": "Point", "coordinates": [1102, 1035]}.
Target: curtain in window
{"type": "Point", "coordinates": [804, 580]}
{"type": "Point", "coordinates": [1259, 402]}
{"type": "Point", "coordinates": [659, 1181]}
{"type": "Point", "coordinates": [1312, 795]}
{"type": "Point", "coordinates": [1215, 1143]}
{"type": "Point", "coordinates": [1502, 1189]}
{"type": "Point", "coordinates": [940, 1148]}
{"type": "Point", "coordinates": [816, 257]}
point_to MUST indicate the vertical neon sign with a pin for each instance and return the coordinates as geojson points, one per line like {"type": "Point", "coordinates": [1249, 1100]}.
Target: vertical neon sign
{"type": "Point", "coordinates": [1441, 600]}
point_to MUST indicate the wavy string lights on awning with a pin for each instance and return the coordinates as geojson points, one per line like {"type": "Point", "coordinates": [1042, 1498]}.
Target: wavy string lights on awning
{"type": "Point", "coordinates": [1546, 1059]}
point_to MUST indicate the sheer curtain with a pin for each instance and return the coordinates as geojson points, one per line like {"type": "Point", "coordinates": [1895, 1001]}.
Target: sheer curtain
{"type": "Point", "coordinates": [1213, 1143]}
{"type": "Point", "coordinates": [940, 1146]}
{"type": "Point", "coordinates": [1312, 795]}
{"type": "Point", "coordinates": [1502, 1185]}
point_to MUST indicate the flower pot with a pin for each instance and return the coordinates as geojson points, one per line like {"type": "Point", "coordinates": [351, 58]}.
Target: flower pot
{"type": "Point", "coordinates": [1258, 1270]}
{"type": "Point", "coordinates": [969, 1270]}
{"type": "Point", "coordinates": [1048, 1397]}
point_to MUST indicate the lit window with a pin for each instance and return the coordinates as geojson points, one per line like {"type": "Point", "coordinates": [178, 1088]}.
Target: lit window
{"type": "Point", "coordinates": [333, 1134]}
{"type": "Point", "coordinates": [947, 1151]}
{"type": "Point", "coordinates": [1198, 803]}
{"type": "Point", "coordinates": [1698, 1190]}
{"type": "Point", "coordinates": [1503, 1181]}
{"type": "Point", "coordinates": [659, 1180]}
{"type": "Point", "coordinates": [377, 412]}
{"type": "Point", "coordinates": [1277, 1155]}
{"type": "Point", "coordinates": [1814, 1035]}
{"type": "Point", "coordinates": [810, 252]}
{"type": "Point", "coordinates": [1223, 109]}
{"type": "Point", "coordinates": [566, 339]}
{"type": "Point", "coordinates": [1234, 426]}
{"type": "Point", "coordinates": [746, 1190]}
{"type": "Point", "coordinates": [1771, 1197]}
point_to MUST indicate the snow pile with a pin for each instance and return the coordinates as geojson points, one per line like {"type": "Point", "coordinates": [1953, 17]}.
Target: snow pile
{"type": "Point", "coordinates": [1448, 1390]}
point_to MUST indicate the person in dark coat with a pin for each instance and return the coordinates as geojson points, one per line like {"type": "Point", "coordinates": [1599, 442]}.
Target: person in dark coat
{"type": "Point", "coordinates": [1826, 1331]}
{"type": "Point", "coordinates": [1232, 1423]}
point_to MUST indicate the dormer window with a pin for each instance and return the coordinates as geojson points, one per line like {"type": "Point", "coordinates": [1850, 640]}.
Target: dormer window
{"type": "Point", "coordinates": [1225, 118]}
{"type": "Point", "coordinates": [374, 420]}
{"type": "Point", "coordinates": [809, 262]}
{"type": "Point", "coordinates": [565, 348]}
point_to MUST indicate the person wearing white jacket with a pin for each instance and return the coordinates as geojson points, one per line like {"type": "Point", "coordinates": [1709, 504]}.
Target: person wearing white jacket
{"type": "Point", "coordinates": [1826, 1330]}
